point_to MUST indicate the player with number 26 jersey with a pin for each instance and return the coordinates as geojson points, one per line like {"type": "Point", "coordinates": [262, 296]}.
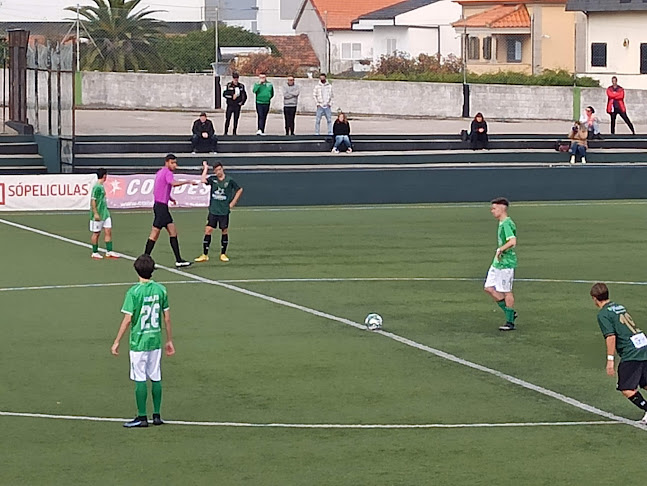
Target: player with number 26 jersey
{"type": "Point", "coordinates": [146, 303]}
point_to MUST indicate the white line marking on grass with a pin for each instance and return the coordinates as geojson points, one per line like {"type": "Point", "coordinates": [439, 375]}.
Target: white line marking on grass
{"type": "Point", "coordinates": [319, 426]}
{"type": "Point", "coordinates": [436, 352]}
{"type": "Point", "coordinates": [317, 280]}
{"type": "Point", "coordinates": [90, 285]}
{"type": "Point", "coordinates": [420, 279]}
{"type": "Point", "coordinates": [370, 207]}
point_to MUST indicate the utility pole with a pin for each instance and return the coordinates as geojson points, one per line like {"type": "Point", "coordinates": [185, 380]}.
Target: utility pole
{"type": "Point", "coordinates": [78, 35]}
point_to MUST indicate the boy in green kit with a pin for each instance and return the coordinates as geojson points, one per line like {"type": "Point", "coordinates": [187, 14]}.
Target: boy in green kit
{"type": "Point", "coordinates": [144, 308]}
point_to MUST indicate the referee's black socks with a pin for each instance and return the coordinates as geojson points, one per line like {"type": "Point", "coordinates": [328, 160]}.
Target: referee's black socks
{"type": "Point", "coordinates": [206, 243]}
{"type": "Point", "coordinates": [149, 247]}
{"type": "Point", "coordinates": [638, 401]}
{"type": "Point", "coordinates": [176, 248]}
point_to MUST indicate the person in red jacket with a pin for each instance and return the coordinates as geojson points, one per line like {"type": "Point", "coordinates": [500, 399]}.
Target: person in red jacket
{"type": "Point", "coordinates": [616, 105]}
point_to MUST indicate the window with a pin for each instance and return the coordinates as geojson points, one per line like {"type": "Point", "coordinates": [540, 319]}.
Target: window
{"type": "Point", "coordinates": [351, 50]}
{"type": "Point", "coordinates": [473, 44]}
{"type": "Point", "coordinates": [514, 49]}
{"type": "Point", "coordinates": [487, 48]}
{"type": "Point", "coordinates": [599, 54]}
{"type": "Point", "coordinates": [391, 46]}
{"type": "Point", "coordinates": [643, 58]}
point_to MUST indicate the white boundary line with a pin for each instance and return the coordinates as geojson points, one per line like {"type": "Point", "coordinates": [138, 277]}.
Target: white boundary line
{"type": "Point", "coordinates": [90, 285]}
{"type": "Point", "coordinates": [436, 352]}
{"type": "Point", "coordinates": [318, 426]}
{"type": "Point", "coordinates": [369, 207]}
{"type": "Point", "coordinates": [320, 280]}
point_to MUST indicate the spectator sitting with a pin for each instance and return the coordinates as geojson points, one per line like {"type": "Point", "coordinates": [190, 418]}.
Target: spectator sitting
{"type": "Point", "coordinates": [204, 134]}
{"type": "Point", "coordinates": [478, 133]}
{"type": "Point", "coordinates": [341, 131]}
{"type": "Point", "coordinates": [592, 123]}
{"type": "Point", "coordinates": [579, 141]}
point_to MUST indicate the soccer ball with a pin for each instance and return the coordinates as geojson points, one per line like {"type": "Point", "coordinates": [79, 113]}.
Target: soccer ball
{"type": "Point", "coordinates": [373, 322]}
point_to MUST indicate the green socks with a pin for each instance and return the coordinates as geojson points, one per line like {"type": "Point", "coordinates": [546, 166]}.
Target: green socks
{"type": "Point", "coordinates": [157, 396]}
{"type": "Point", "coordinates": [140, 397]}
{"type": "Point", "coordinates": [509, 312]}
{"type": "Point", "coordinates": [95, 248]}
{"type": "Point", "coordinates": [109, 245]}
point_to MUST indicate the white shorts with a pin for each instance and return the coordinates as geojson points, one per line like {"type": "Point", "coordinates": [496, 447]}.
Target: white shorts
{"type": "Point", "coordinates": [500, 278]}
{"type": "Point", "coordinates": [145, 364]}
{"type": "Point", "coordinates": [97, 226]}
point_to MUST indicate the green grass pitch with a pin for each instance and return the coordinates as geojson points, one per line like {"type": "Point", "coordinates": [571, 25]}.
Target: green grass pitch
{"type": "Point", "coordinates": [247, 360]}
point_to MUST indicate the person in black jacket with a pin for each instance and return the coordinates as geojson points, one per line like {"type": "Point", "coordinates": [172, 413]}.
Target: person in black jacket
{"type": "Point", "coordinates": [236, 97]}
{"type": "Point", "coordinates": [478, 133]}
{"type": "Point", "coordinates": [341, 132]}
{"type": "Point", "coordinates": [204, 135]}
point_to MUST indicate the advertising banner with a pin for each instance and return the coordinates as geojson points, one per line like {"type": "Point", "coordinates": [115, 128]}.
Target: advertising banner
{"type": "Point", "coordinates": [136, 191]}
{"type": "Point", "coordinates": [45, 192]}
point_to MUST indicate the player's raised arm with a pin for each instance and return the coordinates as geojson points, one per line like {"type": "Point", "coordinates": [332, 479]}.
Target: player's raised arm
{"type": "Point", "coordinates": [205, 172]}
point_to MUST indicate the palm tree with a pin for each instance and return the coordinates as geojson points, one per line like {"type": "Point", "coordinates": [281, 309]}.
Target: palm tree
{"type": "Point", "coordinates": [122, 37]}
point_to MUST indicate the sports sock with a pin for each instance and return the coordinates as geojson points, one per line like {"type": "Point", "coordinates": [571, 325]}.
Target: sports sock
{"type": "Point", "coordinates": [157, 396]}
{"type": "Point", "coordinates": [639, 401]}
{"type": "Point", "coordinates": [95, 248]}
{"type": "Point", "coordinates": [140, 398]}
{"type": "Point", "coordinates": [509, 314]}
{"type": "Point", "coordinates": [109, 245]}
{"type": "Point", "coordinates": [224, 241]}
{"type": "Point", "coordinates": [501, 303]}
{"type": "Point", "coordinates": [149, 247]}
{"type": "Point", "coordinates": [176, 248]}
{"type": "Point", "coordinates": [206, 243]}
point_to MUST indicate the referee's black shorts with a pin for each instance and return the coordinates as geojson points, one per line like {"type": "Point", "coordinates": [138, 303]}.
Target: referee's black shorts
{"type": "Point", "coordinates": [632, 375]}
{"type": "Point", "coordinates": [215, 220]}
{"type": "Point", "coordinates": [162, 216]}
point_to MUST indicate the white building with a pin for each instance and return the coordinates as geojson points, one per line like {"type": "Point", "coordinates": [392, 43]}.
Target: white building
{"type": "Point", "coordinates": [413, 27]}
{"type": "Point", "coordinates": [612, 41]}
{"type": "Point", "coordinates": [329, 26]}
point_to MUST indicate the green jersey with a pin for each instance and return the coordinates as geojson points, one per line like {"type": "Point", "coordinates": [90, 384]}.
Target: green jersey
{"type": "Point", "coordinates": [146, 303]}
{"type": "Point", "coordinates": [222, 193]}
{"type": "Point", "coordinates": [631, 343]}
{"type": "Point", "coordinates": [507, 231]}
{"type": "Point", "coordinates": [99, 197]}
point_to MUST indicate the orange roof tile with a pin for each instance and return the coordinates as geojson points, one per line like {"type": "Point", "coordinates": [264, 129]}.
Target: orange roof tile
{"type": "Point", "coordinates": [339, 14]}
{"type": "Point", "coordinates": [499, 17]}
{"type": "Point", "coordinates": [295, 47]}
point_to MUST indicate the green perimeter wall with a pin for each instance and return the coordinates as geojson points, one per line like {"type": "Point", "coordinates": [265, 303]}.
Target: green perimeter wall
{"type": "Point", "coordinates": [328, 187]}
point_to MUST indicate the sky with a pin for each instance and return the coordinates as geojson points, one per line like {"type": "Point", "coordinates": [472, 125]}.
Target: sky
{"type": "Point", "coordinates": [53, 10]}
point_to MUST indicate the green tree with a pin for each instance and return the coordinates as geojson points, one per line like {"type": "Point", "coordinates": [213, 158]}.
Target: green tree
{"type": "Point", "coordinates": [194, 52]}
{"type": "Point", "coordinates": [122, 36]}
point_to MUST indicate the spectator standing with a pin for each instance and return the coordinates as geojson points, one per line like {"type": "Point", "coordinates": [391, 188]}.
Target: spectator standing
{"type": "Point", "coordinates": [264, 92]}
{"type": "Point", "coordinates": [236, 97]}
{"type": "Point", "coordinates": [616, 105]}
{"type": "Point", "coordinates": [341, 130]}
{"type": "Point", "coordinates": [478, 133]}
{"type": "Point", "coordinates": [579, 142]}
{"type": "Point", "coordinates": [291, 94]}
{"type": "Point", "coordinates": [203, 134]}
{"type": "Point", "coordinates": [592, 123]}
{"type": "Point", "coordinates": [323, 98]}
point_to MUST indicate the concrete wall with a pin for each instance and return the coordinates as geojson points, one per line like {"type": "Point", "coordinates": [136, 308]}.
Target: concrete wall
{"type": "Point", "coordinates": [635, 99]}
{"type": "Point", "coordinates": [390, 98]}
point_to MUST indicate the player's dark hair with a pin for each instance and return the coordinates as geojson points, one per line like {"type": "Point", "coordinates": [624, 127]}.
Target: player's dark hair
{"type": "Point", "coordinates": [170, 157]}
{"type": "Point", "coordinates": [600, 291]}
{"type": "Point", "coordinates": [101, 173]}
{"type": "Point", "coordinates": [500, 200]}
{"type": "Point", "coordinates": [144, 266]}
{"type": "Point", "coordinates": [217, 164]}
